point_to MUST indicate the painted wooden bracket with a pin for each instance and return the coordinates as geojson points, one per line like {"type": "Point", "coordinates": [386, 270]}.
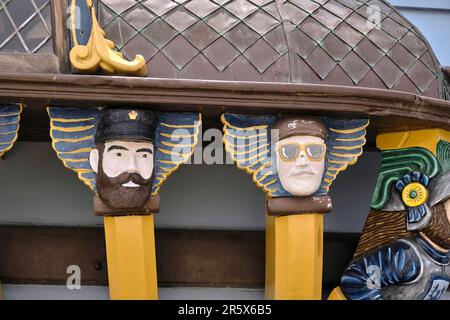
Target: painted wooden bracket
{"type": "Point", "coordinates": [130, 242]}
{"type": "Point", "coordinates": [403, 250]}
{"type": "Point", "coordinates": [9, 126]}
{"type": "Point", "coordinates": [91, 51]}
{"type": "Point", "coordinates": [273, 150]}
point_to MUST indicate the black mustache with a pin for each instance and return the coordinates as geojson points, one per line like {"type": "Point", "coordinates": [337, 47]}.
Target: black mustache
{"type": "Point", "coordinates": [127, 177]}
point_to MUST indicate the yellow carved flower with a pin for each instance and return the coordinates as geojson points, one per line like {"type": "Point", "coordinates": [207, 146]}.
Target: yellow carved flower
{"type": "Point", "coordinates": [414, 194]}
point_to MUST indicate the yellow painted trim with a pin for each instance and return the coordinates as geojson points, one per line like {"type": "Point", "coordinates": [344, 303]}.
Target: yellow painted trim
{"type": "Point", "coordinates": [267, 184]}
{"type": "Point", "coordinates": [166, 161]}
{"type": "Point", "coordinates": [344, 165]}
{"type": "Point", "coordinates": [228, 148]}
{"type": "Point", "coordinates": [75, 160]}
{"type": "Point", "coordinates": [263, 134]}
{"type": "Point", "coordinates": [258, 155]}
{"type": "Point", "coordinates": [348, 148]}
{"type": "Point", "coordinates": [168, 135]}
{"type": "Point", "coordinates": [99, 53]}
{"type": "Point", "coordinates": [170, 144]}
{"type": "Point", "coordinates": [347, 131]}
{"type": "Point", "coordinates": [7, 124]}
{"type": "Point", "coordinates": [349, 139]}
{"type": "Point", "coordinates": [427, 138]}
{"type": "Point", "coordinates": [338, 162]}
{"type": "Point", "coordinates": [225, 122]}
{"type": "Point", "coordinates": [77, 151]}
{"type": "Point", "coordinates": [257, 141]}
{"type": "Point", "coordinates": [336, 294]}
{"type": "Point", "coordinates": [294, 257]}
{"type": "Point", "coordinates": [181, 126]}
{"type": "Point", "coordinates": [343, 155]}
{"type": "Point", "coordinates": [131, 257]}
{"type": "Point", "coordinates": [6, 133]}
{"type": "Point", "coordinates": [261, 167]}
{"type": "Point", "coordinates": [73, 140]}
{"type": "Point", "coordinates": [252, 150]}
{"type": "Point", "coordinates": [265, 176]}
{"type": "Point", "coordinates": [79, 172]}
{"type": "Point", "coordinates": [165, 169]}
{"type": "Point", "coordinates": [12, 143]}
{"type": "Point", "coordinates": [185, 157]}
{"type": "Point", "coordinates": [73, 129]}
{"type": "Point", "coordinates": [169, 152]}
{"type": "Point", "coordinates": [11, 114]}
{"type": "Point", "coordinates": [62, 120]}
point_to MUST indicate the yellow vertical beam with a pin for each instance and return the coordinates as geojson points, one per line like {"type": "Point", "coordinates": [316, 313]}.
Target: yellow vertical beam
{"type": "Point", "coordinates": [130, 249]}
{"type": "Point", "coordinates": [427, 138]}
{"type": "Point", "coordinates": [294, 257]}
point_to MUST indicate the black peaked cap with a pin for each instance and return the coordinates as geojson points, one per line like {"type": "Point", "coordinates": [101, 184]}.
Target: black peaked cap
{"type": "Point", "coordinates": [127, 124]}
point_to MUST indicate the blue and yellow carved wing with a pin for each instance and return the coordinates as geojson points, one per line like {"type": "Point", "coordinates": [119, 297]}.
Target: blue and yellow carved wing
{"type": "Point", "coordinates": [73, 133]}
{"type": "Point", "coordinates": [345, 143]}
{"type": "Point", "coordinates": [176, 137]}
{"type": "Point", "coordinates": [9, 126]}
{"type": "Point", "coordinates": [73, 137]}
{"type": "Point", "coordinates": [248, 140]}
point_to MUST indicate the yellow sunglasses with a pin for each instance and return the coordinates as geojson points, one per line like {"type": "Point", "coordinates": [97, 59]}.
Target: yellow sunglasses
{"type": "Point", "coordinates": [290, 151]}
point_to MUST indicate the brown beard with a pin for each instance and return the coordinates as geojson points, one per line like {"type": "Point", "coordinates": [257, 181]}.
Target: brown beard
{"type": "Point", "coordinates": [438, 230]}
{"type": "Point", "coordinates": [115, 196]}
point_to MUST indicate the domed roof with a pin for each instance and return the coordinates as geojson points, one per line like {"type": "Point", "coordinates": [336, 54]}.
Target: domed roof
{"type": "Point", "coordinates": [299, 41]}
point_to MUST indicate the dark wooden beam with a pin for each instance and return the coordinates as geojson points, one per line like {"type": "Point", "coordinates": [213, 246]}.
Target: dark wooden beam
{"type": "Point", "coordinates": [388, 110]}
{"type": "Point", "coordinates": [60, 33]}
{"type": "Point", "coordinates": [211, 258]}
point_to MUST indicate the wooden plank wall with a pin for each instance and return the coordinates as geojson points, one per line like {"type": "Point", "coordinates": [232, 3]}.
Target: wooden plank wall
{"type": "Point", "coordinates": [210, 258]}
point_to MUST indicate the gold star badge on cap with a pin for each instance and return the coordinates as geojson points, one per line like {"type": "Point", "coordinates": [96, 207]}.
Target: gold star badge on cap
{"type": "Point", "coordinates": [133, 115]}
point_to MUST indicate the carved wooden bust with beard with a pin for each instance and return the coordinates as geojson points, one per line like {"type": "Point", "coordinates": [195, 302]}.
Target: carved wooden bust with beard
{"type": "Point", "coordinates": [124, 159]}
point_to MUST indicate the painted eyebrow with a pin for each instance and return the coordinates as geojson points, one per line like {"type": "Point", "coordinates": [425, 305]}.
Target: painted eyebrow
{"type": "Point", "coordinates": [145, 150]}
{"type": "Point", "coordinates": [117, 148]}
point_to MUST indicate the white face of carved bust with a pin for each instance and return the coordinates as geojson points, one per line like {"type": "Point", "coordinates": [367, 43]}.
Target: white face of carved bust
{"type": "Point", "coordinates": [302, 176]}
{"type": "Point", "coordinates": [125, 156]}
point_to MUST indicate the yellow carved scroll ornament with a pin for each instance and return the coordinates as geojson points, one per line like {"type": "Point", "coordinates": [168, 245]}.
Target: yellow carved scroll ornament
{"type": "Point", "coordinates": [99, 52]}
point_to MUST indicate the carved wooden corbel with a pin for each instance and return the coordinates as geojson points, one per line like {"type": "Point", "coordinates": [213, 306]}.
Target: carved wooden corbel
{"type": "Point", "coordinates": [125, 156]}
{"type": "Point", "coordinates": [294, 159]}
{"type": "Point", "coordinates": [91, 51]}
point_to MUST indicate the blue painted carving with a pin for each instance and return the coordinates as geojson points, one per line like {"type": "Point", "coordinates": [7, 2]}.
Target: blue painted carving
{"type": "Point", "coordinates": [9, 126]}
{"type": "Point", "coordinates": [407, 269]}
{"type": "Point", "coordinates": [73, 132]}
{"type": "Point", "coordinates": [248, 139]}
{"type": "Point", "coordinates": [80, 22]}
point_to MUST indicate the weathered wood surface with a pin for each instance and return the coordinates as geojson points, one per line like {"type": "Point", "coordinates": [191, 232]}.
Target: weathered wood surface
{"type": "Point", "coordinates": [217, 258]}
{"type": "Point", "coordinates": [388, 110]}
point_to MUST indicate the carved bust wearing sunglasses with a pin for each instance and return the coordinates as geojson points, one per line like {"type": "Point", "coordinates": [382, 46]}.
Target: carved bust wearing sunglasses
{"type": "Point", "coordinates": [300, 153]}
{"type": "Point", "coordinates": [294, 159]}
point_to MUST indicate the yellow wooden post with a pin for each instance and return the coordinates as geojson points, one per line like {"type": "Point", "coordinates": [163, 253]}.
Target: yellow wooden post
{"type": "Point", "coordinates": [130, 249]}
{"type": "Point", "coordinates": [426, 138]}
{"type": "Point", "coordinates": [294, 257]}
{"type": "Point", "coordinates": [337, 294]}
